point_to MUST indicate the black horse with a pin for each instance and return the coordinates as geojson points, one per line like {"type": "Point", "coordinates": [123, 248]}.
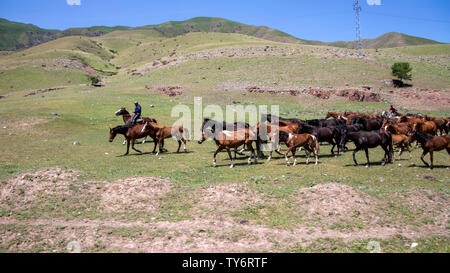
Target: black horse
{"type": "Point", "coordinates": [369, 124]}
{"type": "Point", "coordinates": [270, 117]}
{"type": "Point", "coordinates": [323, 134]}
{"type": "Point", "coordinates": [325, 122]}
{"type": "Point", "coordinates": [338, 131]}
{"type": "Point", "coordinates": [365, 140]}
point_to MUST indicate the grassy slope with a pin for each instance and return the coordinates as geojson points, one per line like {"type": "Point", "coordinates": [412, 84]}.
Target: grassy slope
{"type": "Point", "coordinates": [85, 113]}
{"type": "Point", "coordinates": [82, 49]}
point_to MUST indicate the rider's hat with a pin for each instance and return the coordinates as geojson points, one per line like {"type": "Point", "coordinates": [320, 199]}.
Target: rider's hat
{"type": "Point", "coordinates": [135, 102]}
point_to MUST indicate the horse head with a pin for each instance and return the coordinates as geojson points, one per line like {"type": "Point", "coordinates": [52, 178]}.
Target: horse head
{"type": "Point", "coordinates": [206, 133]}
{"type": "Point", "coordinates": [112, 134]}
{"type": "Point", "coordinates": [122, 111]}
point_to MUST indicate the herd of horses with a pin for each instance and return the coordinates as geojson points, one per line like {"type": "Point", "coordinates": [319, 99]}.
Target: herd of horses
{"type": "Point", "coordinates": [366, 131]}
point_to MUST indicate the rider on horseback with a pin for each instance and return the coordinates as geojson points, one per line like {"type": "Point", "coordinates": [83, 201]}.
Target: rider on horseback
{"type": "Point", "coordinates": [393, 111]}
{"type": "Point", "coordinates": [137, 113]}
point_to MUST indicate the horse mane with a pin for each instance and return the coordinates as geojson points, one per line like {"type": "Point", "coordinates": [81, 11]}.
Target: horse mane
{"type": "Point", "coordinates": [423, 136]}
{"type": "Point", "coordinates": [121, 128]}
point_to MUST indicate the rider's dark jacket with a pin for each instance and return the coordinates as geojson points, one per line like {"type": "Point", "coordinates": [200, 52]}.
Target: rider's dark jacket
{"type": "Point", "coordinates": [138, 110]}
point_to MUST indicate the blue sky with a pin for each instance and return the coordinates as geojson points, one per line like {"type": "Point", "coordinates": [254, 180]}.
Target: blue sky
{"type": "Point", "coordinates": [323, 20]}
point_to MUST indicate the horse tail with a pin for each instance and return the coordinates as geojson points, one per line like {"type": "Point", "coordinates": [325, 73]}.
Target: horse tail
{"type": "Point", "coordinates": [316, 145]}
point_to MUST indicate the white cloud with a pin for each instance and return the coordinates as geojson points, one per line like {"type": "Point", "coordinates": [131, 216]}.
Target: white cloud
{"type": "Point", "coordinates": [374, 2]}
{"type": "Point", "coordinates": [74, 2]}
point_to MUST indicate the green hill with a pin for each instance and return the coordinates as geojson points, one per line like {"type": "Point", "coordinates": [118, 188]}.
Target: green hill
{"type": "Point", "coordinates": [17, 36]}
{"type": "Point", "coordinates": [388, 40]}
{"type": "Point", "coordinates": [210, 24]}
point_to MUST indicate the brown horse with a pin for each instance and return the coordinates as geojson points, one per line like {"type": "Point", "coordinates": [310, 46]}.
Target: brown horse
{"type": "Point", "coordinates": [430, 144]}
{"type": "Point", "coordinates": [162, 132]}
{"type": "Point", "coordinates": [334, 115]}
{"type": "Point", "coordinates": [441, 123]}
{"type": "Point", "coordinates": [294, 141]}
{"type": "Point", "coordinates": [131, 133]}
{"type": "Point", "coordinates": [126, 116]}
{"type": "Point", "coordinates": [396, 128]}
{"type": "Point", "coordinates": [428, 127]}
{"type": "Point", "coordinates": [230, 139]}
{"type": "Point", "coordinates": [403, 142]}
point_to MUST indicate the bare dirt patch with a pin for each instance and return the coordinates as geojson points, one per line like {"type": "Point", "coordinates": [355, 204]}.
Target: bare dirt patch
{"type": "Point", "coordinates": [226, 197]}
{"type": "Point", "coordinates": [23, 190]}
{"type": "Point", "coordinates": [139, 193]}
{"type": "Point", "coordinates": [349, 94]}
{"type": "Point", "coordinates": [420, 98]}
{"type": "Point", "coordinates": [329, 204]}
{"type": "Point", "coordinates": [39, 91]}
{"type": "Point", "coordinates": [170, 91]}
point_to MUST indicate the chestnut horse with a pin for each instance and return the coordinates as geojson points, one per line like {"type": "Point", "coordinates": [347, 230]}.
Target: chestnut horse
{"type": "Point", "coordinates": [334, 115]}
{"type": "Point", "coordinates": [126, 116]}
{"type": "Point", "coordinates": [162, 132]}
{"type": "Point", "coordinates": [294, 141]}
{"type": "Point", "coordinates": [396, 128]}
{"type": "Point", "coordinates": [428, 127]}
{"type": "Point", "coordinates": [131, 133]}
{"type": "Point", "coordinates": [441, 123]}
{"type": "Point", "coordinates": [431, 144]}
{"type": "Point", "coordinates": [230, 139]}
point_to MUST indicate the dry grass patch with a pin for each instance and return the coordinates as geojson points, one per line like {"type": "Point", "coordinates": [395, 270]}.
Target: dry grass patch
{"type": "Point", "coordinates": [22, 124]}
{"type": "Point", "coordinates": [328, 204]}
{"type": "Point", "coordinates": [226, 197]}
{"type": "Point", "coordinates": [139, 193]}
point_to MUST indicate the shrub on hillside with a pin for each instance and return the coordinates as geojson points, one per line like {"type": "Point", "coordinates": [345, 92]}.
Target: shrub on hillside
{"type": "Point", "coordinates": [402, 71]}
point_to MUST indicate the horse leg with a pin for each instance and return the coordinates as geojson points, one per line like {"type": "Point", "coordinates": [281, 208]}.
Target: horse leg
{"type": "Point", "coordinates": [214, 160]}
{"type": "Point", "coordinates": [354, 152]}
{"type": "Point", "coordinates": [286, 156]}
{"type": "Point", "coordinates": [399, 153]}
{"type": "Point", "coordinates": [128, 147]}
{"type": "Point", "coordinates": [184, 145]}
{"type": "Point", "coordinates": [295, 159]}
{"type": "Point", "coordinates": [179, 145]}
{"type": "Point", "coordinates": [231, 158]}
{"type": "Point", "coordinates": [250, 146]}
{"type": "Point", "coordinates": [367, 156]}
{"type": "Point", "coordinates": [155, 141]}
{"type": "Point", "coordinates": [423, 155]}
{"type": "Point", "coordinates": [431, 159]}
{"type": "Point", "coordinates": [308, 155]}
{"type": "Point", "coordinates": [143, 141]}
{"type": "Point", "coordinates": [160, 140]}
{"type": "Point", "coordinates": [387, 153]}
{"type": "Point", "coordinates": [132, 146]}
{"type": "Point", "coordinates": [332, 148]}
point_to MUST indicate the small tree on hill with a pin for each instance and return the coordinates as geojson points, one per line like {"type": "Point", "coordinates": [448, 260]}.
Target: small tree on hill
{"type": "Point", "coordinates": [402, 71]}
